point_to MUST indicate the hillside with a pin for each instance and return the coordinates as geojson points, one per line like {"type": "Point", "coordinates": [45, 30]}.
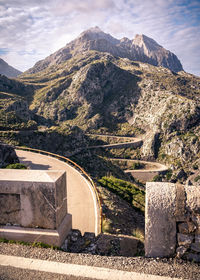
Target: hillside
{"type": "Point", "coordinates": [105, 92]}
{"type": "Point", "coordinates": [14, 110]}
{"type": "Point", "coordinates": [7, 70]}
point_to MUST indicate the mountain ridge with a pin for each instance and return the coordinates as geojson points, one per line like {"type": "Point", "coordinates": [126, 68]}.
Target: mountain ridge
{"type": "Point", "coordinates": [7, 70]}
{"type": "Point", "coordinates": [141, 48]}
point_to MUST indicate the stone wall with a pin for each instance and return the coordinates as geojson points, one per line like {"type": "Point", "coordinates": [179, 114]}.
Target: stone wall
{"type": "Point", "coordinates": [172, 221]}
{"type": "Point", "coordinates": [36, 201]}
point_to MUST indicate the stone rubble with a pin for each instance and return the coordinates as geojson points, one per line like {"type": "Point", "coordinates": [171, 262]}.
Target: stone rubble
{"type": "Point", "coordinates": [103, 244]}
{"type": "Point", "coordinates": [188, 238]}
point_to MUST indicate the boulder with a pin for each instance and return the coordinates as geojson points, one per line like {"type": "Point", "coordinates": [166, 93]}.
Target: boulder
{"type": "Point", "coordinates": [7, 155]}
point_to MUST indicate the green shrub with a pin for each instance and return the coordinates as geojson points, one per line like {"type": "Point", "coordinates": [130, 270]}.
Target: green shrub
{"type": "Point", "coordinates": [126, 190]}
{"type": "Point", "coordinates": [195, 166]}
{"type": "Point", "coordinates": [197, 178]}
{"type": "Point", "coordinates": [16, 166]}
{"type": "Point", "coordinates": [106, 226]}
{"type": "Point", "coordinates": [168, 175]}
{"type": "Point", "coordinates": [157, 178]}
{"type": "Point", "coordinates": [35, 244]}
{"type": "Point", "coordinates": [138, 165]}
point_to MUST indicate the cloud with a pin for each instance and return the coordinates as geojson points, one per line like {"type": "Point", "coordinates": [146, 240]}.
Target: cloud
{"type": "Point", "coordinates": [31, 30]}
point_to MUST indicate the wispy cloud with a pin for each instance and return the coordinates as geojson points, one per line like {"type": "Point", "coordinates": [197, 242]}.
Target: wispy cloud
{"type": "Point", "coordinates": [31, 30]}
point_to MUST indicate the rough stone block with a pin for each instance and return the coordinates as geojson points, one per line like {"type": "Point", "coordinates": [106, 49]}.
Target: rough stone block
{"type": "Point", "coordinates": [197, 238]}
{"type": "Point", "coordinates": [196, 220]}
{"type": "Point", "coordinates": [185, 239]}
{"type": "Point", "coordinates": [183, 228]}
{"type": "Point", "coordinates": [196, 247]}
{"type": "Point", "coordinates": [193, 199]}
{"type": "Point", "coordinates": [180, 251]}
{"type": "Point", "coordinates": [191, 226]}
{"type": "Point", "coordinates": [160, 222]}
{"type": "Point", "coordinates": [193, 257]}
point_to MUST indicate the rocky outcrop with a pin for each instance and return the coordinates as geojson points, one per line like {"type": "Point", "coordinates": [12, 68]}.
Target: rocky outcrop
{"type": "Point", "coordinates": [141, 48]}
{"type": "Point", "coordinates": [7, 155]}
{"type": "Point", "coordinates": [7, 70]}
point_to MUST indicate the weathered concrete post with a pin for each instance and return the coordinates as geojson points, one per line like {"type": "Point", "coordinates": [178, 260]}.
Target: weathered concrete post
{"type": "Point", "coordinates": [33, 206]}
{"type": "Point", "coordinates": [160, 223]}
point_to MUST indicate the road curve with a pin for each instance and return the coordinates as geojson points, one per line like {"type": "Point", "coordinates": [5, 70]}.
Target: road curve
{"type": "Point", "coordinates": [111, 136]}
{"type": "Point", "coordinates": [137, 142]}
{"type": "Point", "coordinates": [81, 198]}
{"type": "Point", "coordinates": [155, 166]}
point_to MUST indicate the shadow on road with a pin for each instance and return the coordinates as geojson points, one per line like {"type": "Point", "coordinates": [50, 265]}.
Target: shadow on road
{"type": "Point", "coordinates": [34, 166]}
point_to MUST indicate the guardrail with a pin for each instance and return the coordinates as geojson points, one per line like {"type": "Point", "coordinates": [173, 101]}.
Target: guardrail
{"type": "Point", "coordinates": [79, 168]}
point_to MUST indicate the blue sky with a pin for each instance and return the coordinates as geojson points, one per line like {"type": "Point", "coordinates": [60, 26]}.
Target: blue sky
{"type": "Point", "coordinates": [31, 30]}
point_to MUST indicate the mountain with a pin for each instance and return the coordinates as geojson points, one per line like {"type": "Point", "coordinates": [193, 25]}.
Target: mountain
{"type": "Point", "coordinates": [141, 48]}
{"type": "Point", "coordinates": [106, 92]}
{"type": "Point", "coordinates": [7, 70]}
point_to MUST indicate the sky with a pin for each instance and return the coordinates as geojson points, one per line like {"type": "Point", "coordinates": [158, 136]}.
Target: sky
{"type": "Point", "coordinates": [30, 30]}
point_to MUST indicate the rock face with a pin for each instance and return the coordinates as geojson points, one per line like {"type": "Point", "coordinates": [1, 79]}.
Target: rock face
{"type": "Point", "coordinates": [7, 155]}
{"type": "Point", "coordinates": [141, 48]}
{"type": "Point", "coordinates": [7, 70]}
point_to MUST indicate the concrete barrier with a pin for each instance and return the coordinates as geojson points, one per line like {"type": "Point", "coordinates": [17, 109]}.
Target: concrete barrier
{"type": "Point", "coordinates": [33, 206]}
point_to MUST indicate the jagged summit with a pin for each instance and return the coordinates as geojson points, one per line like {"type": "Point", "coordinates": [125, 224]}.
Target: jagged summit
{"type": "Point", "coordinates": [7, 70]}
{"type": "Point", "coordinates": [95, 33]}
{"type": "Point", "coordinates": [141, 48]}
{"type": "Point", "coordinates": [141, 40]}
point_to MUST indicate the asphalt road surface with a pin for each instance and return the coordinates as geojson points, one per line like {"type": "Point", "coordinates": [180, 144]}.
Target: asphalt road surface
{"type": "Point", "coordinates": [81, 199]}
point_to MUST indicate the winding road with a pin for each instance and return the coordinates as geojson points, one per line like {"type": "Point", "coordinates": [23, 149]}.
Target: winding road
{"type": "Point", "coordinates": [150, 166]}
{"type": "Point", "coordinates": [144, 174]}
{"type": "Point", "coordinates": [81, 199]}
{"type": "Point", "coordinates": [133, 142]}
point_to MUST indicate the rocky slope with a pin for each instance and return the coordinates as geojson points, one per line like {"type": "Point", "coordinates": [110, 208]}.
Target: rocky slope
{"type": "Point", "coordinates": [7, 70]}
{"type": "Point", "coordinates": [14, 108]}
{"type": "Point", "coordinates": [141, 48]}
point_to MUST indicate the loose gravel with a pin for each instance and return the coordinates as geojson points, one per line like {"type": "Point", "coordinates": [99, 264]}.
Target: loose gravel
{"type": "Point", "coordinates": [165, 267]}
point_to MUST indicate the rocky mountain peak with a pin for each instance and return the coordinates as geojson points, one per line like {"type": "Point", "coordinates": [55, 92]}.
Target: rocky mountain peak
{"type": "Point", "coordinates": [95, 33]}
{"type": "Point", "coordinates": [141, 48]}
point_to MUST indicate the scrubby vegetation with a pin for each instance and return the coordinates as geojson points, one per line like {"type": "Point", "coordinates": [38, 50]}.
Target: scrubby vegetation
{"type": "Point", "coordinates": [126, 190]}
{"type": "Point", "coordinates": [137, 165]}
{"type": "Point", "coordinates": [16, 166]}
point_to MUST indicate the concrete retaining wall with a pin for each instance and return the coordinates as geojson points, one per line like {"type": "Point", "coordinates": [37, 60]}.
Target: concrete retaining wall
{"type": "Point", "coordinates": [34, 203]}
{"type": "Point", "coordinates": [172, 221]}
